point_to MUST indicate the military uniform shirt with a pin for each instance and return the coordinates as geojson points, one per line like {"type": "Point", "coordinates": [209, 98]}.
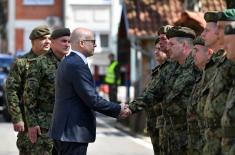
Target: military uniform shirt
{"type": "Point", "coordinates": [14, 86]}
{"type": "Point", "coordinates": [39, 91]}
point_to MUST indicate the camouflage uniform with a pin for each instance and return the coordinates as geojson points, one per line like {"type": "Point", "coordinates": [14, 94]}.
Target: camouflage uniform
{"type": "Point", "coordinates": [195, 110]}
{"type": "Point", "coordinates": [227, 121]}
{"type": "Point", "coordinates": [153, 112]}
{"type": "Point", "coordinates": [218, 88]}
{"type": "Point", "coordinates": [174, 106]}
{"type": "Point", "coordinates": [195, 137]}
{"type": "Point", "coordinates": [39, 98]}
{"type": "Point", "coordinates": [153, 96]}
{"type": "Point", "coordinates": [14, 91]}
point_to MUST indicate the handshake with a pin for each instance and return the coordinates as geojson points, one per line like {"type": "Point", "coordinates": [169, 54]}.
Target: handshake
{"type": "Point", "coordinates": [125, 111]}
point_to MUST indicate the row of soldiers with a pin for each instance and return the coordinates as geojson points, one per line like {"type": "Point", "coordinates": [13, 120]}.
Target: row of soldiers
{"type": "Point", "coordinates": [190, 100]}
{"type": "Point", "coordinates": [30, 89]}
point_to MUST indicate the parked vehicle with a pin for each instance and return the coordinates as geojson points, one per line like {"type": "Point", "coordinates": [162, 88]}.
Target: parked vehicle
{"type": "Point", "coordinates": [5, 65]}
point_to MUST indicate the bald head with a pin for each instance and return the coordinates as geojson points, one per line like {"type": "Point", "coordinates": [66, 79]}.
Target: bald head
{"type": "Point", "coordinates": [83, 40]}
{"type": "Point", "coordinates": [80, 34]}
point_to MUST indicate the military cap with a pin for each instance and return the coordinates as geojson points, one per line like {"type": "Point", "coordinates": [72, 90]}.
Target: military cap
{"type": "Point", "coordinates": [164, 29]}
{"type": "Point", "coordinates": [157, 40]}
{"type": "Point", "coordinates": [227, 15]}
{"type": "Point", "coordinates": [60, 32]}
{"type": "Point", "coordinates": [229, 29]}
{"type": "Point", "coordinates": [39, 31]}
{"type": "Point", "coordinates": [178, 31]}
{"type": "Point", "coordinates": [199, 41]}
{"type": "Point", "coordinates": [211, 16]}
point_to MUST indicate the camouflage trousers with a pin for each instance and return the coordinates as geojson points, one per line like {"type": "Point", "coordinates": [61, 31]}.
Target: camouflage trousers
{"type": "Point", "coordinates": [23, 143]}
{"type": "Point", "coordinates": [195, 139]}
{"type": "Point", "coordinates": [212, 144]}
{"type": "Point", "coordinates": [154, 136]}
{"type": "Point", "coordinates": [43, 145]}
{"type": "Point", "coordinates": [228, 146]}
{"type": "Point", "coordinates": [172, 142]}
{"type": "Point", "coordinates": [195, 144]}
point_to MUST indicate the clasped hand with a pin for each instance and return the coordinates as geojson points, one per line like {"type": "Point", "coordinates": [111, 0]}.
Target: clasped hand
{"type": "Point", "coordinates": [125, 111]}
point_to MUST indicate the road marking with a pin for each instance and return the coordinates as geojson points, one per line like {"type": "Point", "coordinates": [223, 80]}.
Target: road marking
{"type": "Point", "coordinates": [134, 139]}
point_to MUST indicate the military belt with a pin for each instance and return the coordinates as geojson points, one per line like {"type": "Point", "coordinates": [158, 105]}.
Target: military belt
{"type": "Point", "coordinates": [228, 132]}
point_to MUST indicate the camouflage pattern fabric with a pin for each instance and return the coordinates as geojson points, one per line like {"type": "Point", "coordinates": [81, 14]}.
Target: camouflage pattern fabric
{"type": "Point", "coordinates": [151, 102]}
{"type": "Point", "coordinates": [195, 110]}
{"type": "Point", "coordinates": [23, 143]}
{"type": "Point", "coordinates": [195, 137]}
{"type": "Point", "coordinates": [39, 96]}
{"type": "Point", "coordinates": [215, 103]}
{"type": "Point", "coordinates": [227, 121]}
{"type": "Point", "coordinates": [14, 90]}
{"type": "Point", "coordinates": [153, 113]}
{"type": "Point", "coordinates": [174, 131]}
{"type": "Point", "coordinates": [44, 145]}
{"type": "Point", "coordinates": [14, 86]}
{"type": "Point", "coordinates": [156, 92]}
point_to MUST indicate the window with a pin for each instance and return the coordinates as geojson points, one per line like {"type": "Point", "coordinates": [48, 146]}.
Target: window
{"type": "Point", "coordinates": [38, 2]}
{"type": "Point", "coordinates": [104, 40]}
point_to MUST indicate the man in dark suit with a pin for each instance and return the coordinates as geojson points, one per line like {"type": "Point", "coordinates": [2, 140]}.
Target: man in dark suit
{"type": "Point", "coordinates": [73, 124]}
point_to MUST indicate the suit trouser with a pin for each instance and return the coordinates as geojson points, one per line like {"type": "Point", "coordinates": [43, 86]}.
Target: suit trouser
{"type": "Point", "coordinates": [70, 148]}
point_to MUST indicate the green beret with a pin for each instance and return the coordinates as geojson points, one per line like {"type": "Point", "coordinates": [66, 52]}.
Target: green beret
{"type": "Point", "coordinates": [211, 16]}
{"type": "Point", "coordinates": [164, 29]}
{"type": "Point", "coordinates": [229, 29]}
{"type": "Point", "coordinates": [157, 40]}
{"type": "Point", "coordinates": [178, 31]}
{"type": "Point", "coordinates": [227, 15]}
{"type": "Point", "coordinates": [39, 32]}
{"type": "Point", "coordinates": [199, 41]}
{"type": "Point", "coordinates": [60, 32]}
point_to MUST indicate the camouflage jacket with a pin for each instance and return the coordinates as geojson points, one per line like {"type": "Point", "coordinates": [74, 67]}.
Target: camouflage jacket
{"type": "Point", "coordinates": [174, 105]}
{"type": "Point", "coordinates": [218, 86]}
{"type": "Point", "coordinates": [200, 92]}
{"type": "Point", "coordinates": [180, 86]}
{"type": "Point", "coordinates": [14, 87]}
{"type": "Point", "coordinates": [227, 121]}
{"type": "Point", "coordinates": [153, 112]}
{"type": "Point", "coordinates": [39, 90]}
{"type": "Point", "coordinates": [154, 92]}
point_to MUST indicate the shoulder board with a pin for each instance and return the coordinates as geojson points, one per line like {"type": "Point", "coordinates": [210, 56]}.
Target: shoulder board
{"type": "Point", "coordinates": [155, 69]}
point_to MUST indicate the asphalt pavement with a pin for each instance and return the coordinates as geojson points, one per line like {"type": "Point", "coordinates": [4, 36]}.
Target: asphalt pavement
{"type": "Point", "coordinates": [109, 140]}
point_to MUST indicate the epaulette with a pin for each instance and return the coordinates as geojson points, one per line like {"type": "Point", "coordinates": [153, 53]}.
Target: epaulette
{"type": "Point", "coordinates": [155, 70]}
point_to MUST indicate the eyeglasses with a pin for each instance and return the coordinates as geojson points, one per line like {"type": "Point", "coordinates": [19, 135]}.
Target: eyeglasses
{"type": "Point", "coordinates": [92, 41]}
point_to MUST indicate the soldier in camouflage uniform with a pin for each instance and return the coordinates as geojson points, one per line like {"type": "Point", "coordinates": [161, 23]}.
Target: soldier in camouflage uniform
{"type": "Point", "coordinates": [227, 121]}
{"type": "Point", "coordinates": [39, 91]}
{"type": "Point", "coordinates": [202, 55]}
{"type": "Point", "coordinates": [159, 93]}
{"type": "Point", "coordinates": [179, 87]}
{"type": "Point", "coordinates": [154, 111]}
{"type": "Point", "coordinates": [218, 90]}
{"type": "Point", "coordinates": [15, 82]}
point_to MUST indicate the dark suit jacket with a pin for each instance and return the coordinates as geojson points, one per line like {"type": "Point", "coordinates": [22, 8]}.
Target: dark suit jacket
{"type": "Point", "coordinates": [76, 100]}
